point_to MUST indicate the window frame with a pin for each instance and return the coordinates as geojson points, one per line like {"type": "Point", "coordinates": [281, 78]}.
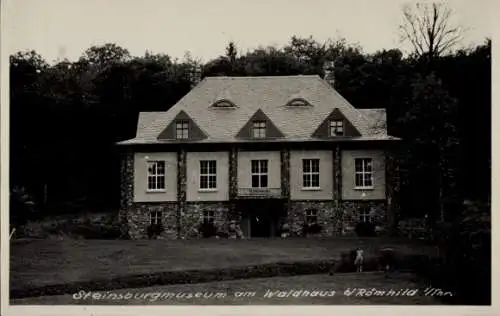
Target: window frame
{"type": "Point", "coordinates": [156, 176]}
{"type": "Point", "coordinates": [335, 126]}
{"type": "Point", "coordinates": [366, 216]}
{"type": "Point", "coordinates": [366, 175]}
{"type": "Point", "coordinates": [157, 219]}
{"type": "Point", "coordinates": [311, 213]}
{"type": "Point", "coordinates": [210, 175]}
{"type": "Point", "coordinates": [310, 174]}
{"type": "Point", "coordinates": [182, 132]}
{"type": "Point", "coordinates": [261, 171]}
{"type": "Point", "coordinates": [208, 216]}
{"type": "Point", "coordinates": [259, 129]}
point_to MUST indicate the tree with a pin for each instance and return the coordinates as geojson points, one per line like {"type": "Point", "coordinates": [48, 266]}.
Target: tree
{"type": "Point", "coordinates": [428, 28]}
{"type": "Point", "coordinates": [433, 151]}
{"type": "Point", "coordinates": [311, 54]}
{"type": "Point", "coordinates": [104, 54]}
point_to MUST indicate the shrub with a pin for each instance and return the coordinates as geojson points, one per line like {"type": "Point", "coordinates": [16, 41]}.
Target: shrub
{"type": "Point", "coordinates": [284, 229]}
{"type": "Point", "coordinates": [222, 234]}
{"type": "Point", "coordinates": [155, 230]}
{"type": "Point", "coordinates": [467, 245]}
{"type": "Point", "coordinates": [22, 207]}
{"type": "Point", "coordinates": [365, 229]}
{"type": "Point", "coordinates": [208, 229]}
{"type": "Point", "coordinates": [313, 228]}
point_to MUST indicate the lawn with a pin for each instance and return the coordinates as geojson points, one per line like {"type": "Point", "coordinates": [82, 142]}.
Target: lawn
{"type": "Point", "coordinates": [330, 291]}
{"type": "Point", "coordinates": [45, 262]}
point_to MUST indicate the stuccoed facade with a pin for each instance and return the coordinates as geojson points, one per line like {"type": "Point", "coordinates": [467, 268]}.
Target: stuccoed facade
{"type": "Point", "coordinates": [339, 204]}
{"type": "Point", "coordinates": [337, 217]}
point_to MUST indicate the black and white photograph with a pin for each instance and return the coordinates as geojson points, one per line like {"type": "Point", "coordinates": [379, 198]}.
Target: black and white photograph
{"type": "Point", "coordinates": [224, 153]}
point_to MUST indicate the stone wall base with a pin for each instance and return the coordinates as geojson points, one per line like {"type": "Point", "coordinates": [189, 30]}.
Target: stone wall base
{"type": "Point", "coordinates": [192, 217]}
{"type": "Point", "coordinates": [335, 220]}
{"type": "Point", "coordinates": [352, 213]}
{"type": "Point", "coordinates": [138, 219]}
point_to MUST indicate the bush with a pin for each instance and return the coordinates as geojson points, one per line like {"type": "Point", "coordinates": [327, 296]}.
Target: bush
{"type": "Point", "coordinates": [22, 207]}
{"type": "Point", "coordinates": [208, 229]}
{"type": "Point", "coordinates": [365, 229]}
{"type": "Point", "coordinates": [86, 230]}
{"type": "Point", "coordinates": [467, 245]}
{"type": "Point", "coordinates": [222, 235]}
{"type": "Point", "coordinates": [155, 230]}
{"type": "Point", "coordinates": [313, 228]}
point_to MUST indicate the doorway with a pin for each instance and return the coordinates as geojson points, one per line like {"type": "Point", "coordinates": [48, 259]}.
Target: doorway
{"type": "Point", "coordinates": [262, 218]}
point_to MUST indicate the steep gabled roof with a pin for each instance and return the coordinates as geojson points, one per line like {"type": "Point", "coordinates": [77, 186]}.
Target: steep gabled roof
{"type": "Point", "coordinates": [195, 133]}
{"type": "Point", "coordinates": [269, 94]}
{"type": "Point", "coordinates": [323, 131]}
{"type": "Point", "coordinates": [272, 131]}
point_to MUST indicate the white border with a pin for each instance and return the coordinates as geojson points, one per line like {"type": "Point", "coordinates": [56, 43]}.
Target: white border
{"type": "Point", "coordinates": [232, 310]}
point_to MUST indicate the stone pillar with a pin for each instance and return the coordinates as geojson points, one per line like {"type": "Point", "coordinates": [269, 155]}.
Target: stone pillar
{"type": "Point", "coordinates": [181, 188]}
{"type": "Point", "coordinates": [233, 184]}
{"type": "Point", "coordinates": [126, 192]}
{"type": "Point", "coordinates": [285, 178]}
{"type": "Point", "coordinates": [337, 190]}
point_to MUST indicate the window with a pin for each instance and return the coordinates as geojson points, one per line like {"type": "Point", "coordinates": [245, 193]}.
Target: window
{"type": "Point", "coordinates": [182, 129]}
{"type": "Point", "coordinates": [259, 173]}
{"type": "Point", "coordinates": [156, 175]}
{"type": "Point", "coordinates": [311, 216]}
{"type": "Point", "coordinates": [310, 170]}
{"type": "Point", "coordinates": [336, 128]}
{"type": "Point", "coordinates": [259, 129]}
{"type": "Point", "coordinates": [223, 104]}
{"type": "Point", "coordinates": [298, 102]}
{"type": "Point", "coordinates": [208, 174]}
{"type": "Point", "coordinates": [208, 217]}
{"type": "Point", "coordinates": [365, 215]}
{"type": "Point", "coordinates": [155, 217]}
{"type": "Point", "coordinates": [363, 172]}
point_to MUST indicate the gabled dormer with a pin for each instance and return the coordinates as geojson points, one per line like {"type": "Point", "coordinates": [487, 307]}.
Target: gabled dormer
{"type": "Point", "coordinates": [182, 128]}
{"type": "Point", "coordinates": [259, 126]}
{"type": "Point", "coordinates": [336, 125]}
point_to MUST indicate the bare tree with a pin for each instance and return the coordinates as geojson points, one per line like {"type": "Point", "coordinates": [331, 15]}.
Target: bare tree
{"type": "Point", "coordinates": [429, 29]}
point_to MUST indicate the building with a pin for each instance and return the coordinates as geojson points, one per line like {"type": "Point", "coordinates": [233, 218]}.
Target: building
{"type": "Point", "coordinates": [258, 152]}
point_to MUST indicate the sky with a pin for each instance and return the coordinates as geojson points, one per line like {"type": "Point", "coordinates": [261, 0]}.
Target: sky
{"type": "Point", "coordinates": [59, 29]}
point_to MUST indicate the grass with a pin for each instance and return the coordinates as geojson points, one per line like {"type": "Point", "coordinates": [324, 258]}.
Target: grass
{"type": "Point", "coordinates": [46, 262]}
{"type": "Point", "coordinates": [253, 292]}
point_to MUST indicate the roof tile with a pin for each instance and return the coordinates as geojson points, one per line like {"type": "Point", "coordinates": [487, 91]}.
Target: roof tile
{"type": "Point", "coordinates": [271, 95]}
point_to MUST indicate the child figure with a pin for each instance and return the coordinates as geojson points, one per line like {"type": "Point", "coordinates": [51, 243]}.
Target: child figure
{"type": "Point", "coordinates": [358, 262]}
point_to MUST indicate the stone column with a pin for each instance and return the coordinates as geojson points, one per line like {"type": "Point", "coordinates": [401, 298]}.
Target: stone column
{"type": "Point", "coordinates": [285, 178]}
{"type": "Point", "coordinates": [337, 190]}
{"type": "Point", "coordinates": [181, 189]}
{"type": "Point", "coordinates": [233, 184]}
{"type": "Point", "coordinates": [126, 192]}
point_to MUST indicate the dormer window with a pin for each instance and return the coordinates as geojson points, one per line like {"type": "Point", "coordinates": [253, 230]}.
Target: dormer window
{"type": "Point", "coordinates": [182, 129]}
{"type": "Point", "coordinates": [259, 129]}
{"type": "Point", "coordinates": [337, 128]}
{"type": "Point", "coordinates": [298, 102]}
{"type": "Point", "coordinates": [224, 104]}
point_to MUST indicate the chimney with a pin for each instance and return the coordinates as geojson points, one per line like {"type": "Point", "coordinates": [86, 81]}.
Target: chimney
{"type": "Point", "coordinates": [329, 70]}
{"type": "Point", "coordinates": [195, 76]}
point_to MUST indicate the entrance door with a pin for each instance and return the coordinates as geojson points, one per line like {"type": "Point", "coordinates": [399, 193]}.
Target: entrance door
{"type": "Point", "coordinates": [260, 223]}
{"type": "Point", "coordinates": [261, 217]}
